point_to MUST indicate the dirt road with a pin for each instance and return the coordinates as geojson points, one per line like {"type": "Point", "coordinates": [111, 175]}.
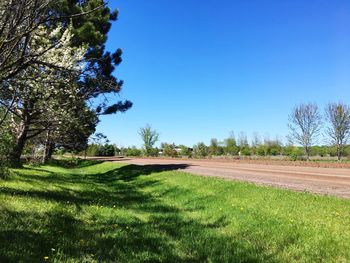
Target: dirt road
{"type": "Point", "coordinates": [332, 181]}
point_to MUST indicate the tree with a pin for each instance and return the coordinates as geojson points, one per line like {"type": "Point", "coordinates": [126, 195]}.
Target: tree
{"type": "Point", "coordinates": [244, 148]}
{"type": "Point", "coordinates": [185, 151]}
{"type": "Point", "coordinates": [169, 149]}
{"type": "Point", "coordinates": [6, 144]}
{"type": "Point", "coordinates": [214, 148]}
{"type": "Point", "coordinates": [19, 21]}
{"type": "Point", "coordinates": [305, 124]}
{"type": "Point", "coordinates": [72, 133]}
{"type": "Point", "coordinates": [230, 146]}
{"type": "Point", "coordinates": [338, 117]}
{"type": "Point", "coordinates": [85, 23]}
{"type": "Point", "coordinates": [149, 138]}
{"type": "Point", "coordinates": [44, 94]}
{"type": "Point", "coordinates": [200, 150]}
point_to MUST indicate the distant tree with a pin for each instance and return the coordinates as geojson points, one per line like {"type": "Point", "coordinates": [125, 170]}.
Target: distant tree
{"type": "Point", "coordinates": [215, 148]}
{"type": "Point", "coordinates": [169, 149]}
{"type": "Point", "coordinates": [338, 117]}
{"type": "Point", "coordinates": [185, 151]}
{"type": "Point", "coordinates": [149, 138]}
{"type": "Point", "coordinates": [273, 147]}
{"type": "Point", "coordinates": [305, 124]}
{"type": "Point", "coordinates": [256, 139]}
{"type": "Point", "coordinates": [261, 150]}
{"type": "Point", "coordinates": [133, 151]}
{"type": "Point", "coordinates": [244, 148]}
{"type": "Point", "coordinates": [200, 150]}
{"type": "Point", "coordinates": [230, 146]}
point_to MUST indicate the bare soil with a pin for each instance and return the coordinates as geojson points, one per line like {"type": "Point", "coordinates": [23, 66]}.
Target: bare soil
{"type": "Point", "coordinates": [310, 177]}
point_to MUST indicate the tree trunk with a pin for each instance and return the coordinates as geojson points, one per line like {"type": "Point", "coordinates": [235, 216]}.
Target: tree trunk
{"type": "Point", "coordinates": [339, 152]}
{"type": "Point", "coordinates": [307, 153]}
{"type": "Point", "coordinates": [49, 146]}
{"type": "Point", "coordinates": [16, 153]}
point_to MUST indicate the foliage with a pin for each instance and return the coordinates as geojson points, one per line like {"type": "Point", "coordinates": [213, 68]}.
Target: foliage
{"type": "Point", "coordinates": [65, 66]}
{"type": "Point", "coordinates": [101, 150]}
{"type": "Point", "coordinates": [169, 149]}
{"type": "Point", "coordinates": [185, 151]}
{"type": "Point", "coordinates": [245, 151]}
{"type": "Point", "coordinates": [294, 153]}
{"type": "Point", "coordinates": [230, 146]}
{"type": "Point", "coordinates": [6, 144]}
{"type": "Point", "coordinates": [215, 149]}
{"type": "Point", "coordinates": [133, 151]}
{"type": "Point", "coordinates": [200, 150]}
{"type": "Point", "coordinates": [149, 138]}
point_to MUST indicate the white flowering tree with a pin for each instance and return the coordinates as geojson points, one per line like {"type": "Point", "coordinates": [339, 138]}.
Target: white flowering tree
{"type": "Point", "coordinates": [45, 94]}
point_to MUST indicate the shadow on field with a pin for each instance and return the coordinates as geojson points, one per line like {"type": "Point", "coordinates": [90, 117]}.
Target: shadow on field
{"type": "Point", "coordinates": [111, 217]}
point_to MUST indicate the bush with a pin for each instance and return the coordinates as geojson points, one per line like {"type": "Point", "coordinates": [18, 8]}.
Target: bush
{"type": "Point", "coordinates": [245, 151]}
{"type": "Point", "coordinates": [92, 150]}
{"type": "Point", "coordinates": [296, 154]}
{"type": "Point", "coordinates": [100, 150]}
{"type": "Point", "coordinates": [230, 147]}
{"type": "Point", "coordinates": [133, 151]}
{"type": "Point", "coordinates": [185, 151]}
{"type": "Point", "coordinates": [261, 150]}
{"type": "Point", "coordinates": [154, 152]}
{"type": "Point", "coordinates": [200, 150]}
{"type": "Point", "coordinates": [169, 150]}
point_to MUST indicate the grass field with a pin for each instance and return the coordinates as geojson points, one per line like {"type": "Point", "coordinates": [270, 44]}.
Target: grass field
{"type": "Point", "coordinates": [108, 212]}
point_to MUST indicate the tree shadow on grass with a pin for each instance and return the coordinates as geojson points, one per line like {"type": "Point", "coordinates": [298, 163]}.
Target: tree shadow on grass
{"type": "Point", "coordinates": [113, 217]}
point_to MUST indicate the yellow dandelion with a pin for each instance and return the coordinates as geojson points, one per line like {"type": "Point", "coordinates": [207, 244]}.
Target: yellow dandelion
{"type": "Point", "coordinates": [46, 258]}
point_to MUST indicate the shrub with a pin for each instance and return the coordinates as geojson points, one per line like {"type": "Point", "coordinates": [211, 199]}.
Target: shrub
{"type": "Point", "coordinates": [133, 151]}
{"type": "Point", "coordinates": [230, 147]}
{"type": "Point", "coordinates": [200, 150]}
{"type": "Point", "coordinates": [261, 150]}
{"type": "Point", "coordinates": [245, 151]}
{"type": "Point", "coordinates": [100, 150]}
{"type": "Point", "coordinates": [185, 151]}
{"type": "Point", "coordinates": [169, 150]}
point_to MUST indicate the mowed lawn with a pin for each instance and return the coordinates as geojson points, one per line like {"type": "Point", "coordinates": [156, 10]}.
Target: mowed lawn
{"type": "Point", "coordinates": [110, 212]}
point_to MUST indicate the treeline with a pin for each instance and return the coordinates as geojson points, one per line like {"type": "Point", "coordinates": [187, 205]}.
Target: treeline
{"type": "Point", "coordinates": [307, 124]}
{"type": "Point", "coordinates": [226, 148]}
{"type": "Point", "coordinates": [307, 127]}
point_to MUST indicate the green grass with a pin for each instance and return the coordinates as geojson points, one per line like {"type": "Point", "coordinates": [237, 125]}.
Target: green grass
{"type": "Point", "coordinates": [109, 212]}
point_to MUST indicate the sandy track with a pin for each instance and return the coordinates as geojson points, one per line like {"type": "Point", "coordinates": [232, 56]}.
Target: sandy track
{"type": "Point", "coordinates": [331, 181]}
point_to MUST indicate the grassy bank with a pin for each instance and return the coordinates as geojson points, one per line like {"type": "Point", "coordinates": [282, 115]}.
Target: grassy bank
{"type": "Point", "coordinates": [108, 212]}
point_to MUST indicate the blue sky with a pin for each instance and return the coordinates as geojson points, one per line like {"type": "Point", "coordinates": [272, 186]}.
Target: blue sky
{"type": "Point", "coordinates": [200, 69]}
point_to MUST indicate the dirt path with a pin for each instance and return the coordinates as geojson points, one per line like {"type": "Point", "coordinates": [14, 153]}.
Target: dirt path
{"type": "Point", "coordinates": [332, 181]}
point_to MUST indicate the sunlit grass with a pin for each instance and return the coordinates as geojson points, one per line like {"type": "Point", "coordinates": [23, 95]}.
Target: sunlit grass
{"type": "Point", "coordinates": [108, 212]}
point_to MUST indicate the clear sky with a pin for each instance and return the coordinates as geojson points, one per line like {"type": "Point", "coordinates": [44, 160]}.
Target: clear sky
{"type": "Point", "coordinates": [200, 69]}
